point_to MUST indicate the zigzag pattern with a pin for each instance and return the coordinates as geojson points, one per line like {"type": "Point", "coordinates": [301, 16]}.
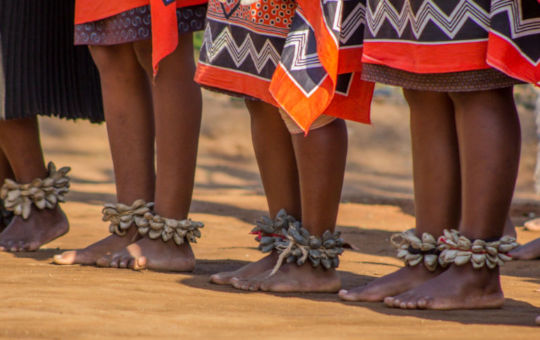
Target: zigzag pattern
{"type": "Point", "coordinates": [519, 26]}
{"type": "Point", "coordinates": [449, 24]}
{"type": "Point", "coordinates": [352, 23]}
{"type": "Point", "coordinates": [303, 60]}
{"type": "Point", "coordinates": [225, 42]}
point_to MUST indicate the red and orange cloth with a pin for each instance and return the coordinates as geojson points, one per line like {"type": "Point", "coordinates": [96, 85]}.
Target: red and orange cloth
{"type": "Point", "coordinates": [164, 20]}
{"type": "Point", "coordinates": [303, 56]}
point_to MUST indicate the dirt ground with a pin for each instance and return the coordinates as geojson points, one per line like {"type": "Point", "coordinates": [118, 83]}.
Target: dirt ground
{"type": "Point", "coordinates": [40, 300]}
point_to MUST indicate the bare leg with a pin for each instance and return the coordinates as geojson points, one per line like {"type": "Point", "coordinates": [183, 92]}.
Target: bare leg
{"type": "Point", "coordinates": [489, 139]}
{"type": "Point", "coordinates": [321, 160]}
{"type": "Point", "coordinates": [436, 187]}
{"type": "Point", "coordinates": [271, 141]}
{"type": "Point", "coordinates": [128, 112]}
{"type": "Point", "coordinates": [19, 139]}
{"type": "Point", "coordinates": [177, 114]}
{"type": "Point", "coordinates": [509, 228]}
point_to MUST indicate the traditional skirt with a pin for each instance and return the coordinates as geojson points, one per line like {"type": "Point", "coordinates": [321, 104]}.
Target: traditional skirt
{"type": "Point", "coordinates": [421, 44]}
{"type": "Point", "coordinates": [41, 72]}
{"type": "Point", "coordinates": [301, 55]}
{"type": "Point", "coordinates": [130, 20]}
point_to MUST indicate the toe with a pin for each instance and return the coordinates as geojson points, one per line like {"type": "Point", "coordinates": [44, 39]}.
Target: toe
{"type": "Point", "coordinates": [253, 286]}
{"type": "Point", "coordinates": [410, 305]}
{"type": "Point", "coordinates": [67, 257]}
{"type": "Point", "coordinates": [344, 295]}
{"type": "Point", "coordinates": [221, 278]}
{"type": "Point", "coordinates": [389, 301]}
{"type": "Point", "coordinates": [239, 284]}
{"type": "Point", "coordinates": [139, 263]}
{"type": "Point", "coordinates": [123, 262]}
{"type": "Point", "coordinates": [423, 302]}
{"type": "Point", "coordinates": [33, 246]}
{"type": "Point", "coordinates": [16, 247]}
{"type": "Point", "coordinates": [538, 320]}
{"type": "Point", "coordinates": [115, 261]}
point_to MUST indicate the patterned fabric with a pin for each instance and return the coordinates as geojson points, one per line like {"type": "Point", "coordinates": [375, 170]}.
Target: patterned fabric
{"type": "Point", "coordinates": [134, 25]}
{"type": "Point", "coordinates": [476, 80]}
{"type": "Point", "coordinates": [303, 56]}
{"type": "Point", "coordinates": [163, 20]}
{"type": "Point", "coordinates": [440, 36]}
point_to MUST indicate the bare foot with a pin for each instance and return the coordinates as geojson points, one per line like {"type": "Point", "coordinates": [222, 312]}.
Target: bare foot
{"type": "Point", "coordinates": [533, 224]}
{"type": "Point", "coordinates": [250, 270]}
{"type": "Point", "coordinates": [398, 282]}
{"type": "Point", "coordinates": [538, 320]}
{"type": "Point", "coordinates": [152, 254]}
{"type": "Point", "coordinates": [41, 227]}
{"type": "Point", "coordinates": [89, 255]}
{"type": "Point", "coordinates": [293, 279]}
{"type": "Point", "coordinates": [529, 251]}
{"type": "Point", "coordinates": [457, 288]}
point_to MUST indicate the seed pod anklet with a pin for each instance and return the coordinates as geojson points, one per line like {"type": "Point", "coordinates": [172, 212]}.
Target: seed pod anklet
{"type": "Point", "coordinates": [42, 193]}
{"type": "Point", "coordinates": [459, 250]}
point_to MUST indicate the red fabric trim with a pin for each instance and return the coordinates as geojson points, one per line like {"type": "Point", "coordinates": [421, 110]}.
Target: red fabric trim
{"type": "Point", "coordinates": [92, 10]}
{"type": "Point", "coordinates": [356, 106]}
{"type": "Point", "coordinates": [234, 81]}
{"type": "Point", "coordinates": [503, 56]}
{"type": "Point", "coordinates": [418, 58]}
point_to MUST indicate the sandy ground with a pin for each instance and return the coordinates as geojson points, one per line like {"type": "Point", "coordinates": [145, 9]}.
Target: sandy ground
{"type": "Point", "coordinates": [42, 300]}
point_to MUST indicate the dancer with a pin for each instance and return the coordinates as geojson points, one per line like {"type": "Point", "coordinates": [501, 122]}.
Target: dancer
{"type": "Point", "coordinates": [457, 74]}
{"type": "Point", "coordinates": [284, 54]}
{"type": "Point", "coordinates": [41, 73]}
{"type": "Point", "coordinates": [144, 53]}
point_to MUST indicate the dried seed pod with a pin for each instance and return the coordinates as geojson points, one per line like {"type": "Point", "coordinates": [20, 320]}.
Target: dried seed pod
{"type": "Point", "coordinates": [329, 243]}
{"type": "Point", "coordinates": [402, 253]}
{"type": "Point", "coordinates": [415, 261]}
{"type": "Point", "coordinates": [326, 263]}
{"type": "Point", "coordinates": [430, 261]}
{"type": "Point", "coordinates": [314, 242]}
{"type": "Point", "coordinates": [506, 247]}
{"type": "Point", "coordinates": [266, 248]}
{"type": "Point", "coordinates": [153, 234]}
{"type": "Point", "coordinates": [492, 251]}
{"type": "Point", "coordinates": [478, 258]}
{"type": "Point", "coordinates": [462, 259]}
{"type": "Point", "coordinates": [178, 240]}
{"type": "Point", "coordinates": [505, 257]}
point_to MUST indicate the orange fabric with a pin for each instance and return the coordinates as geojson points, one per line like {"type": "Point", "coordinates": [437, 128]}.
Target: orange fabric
{"type": "Point", "coordinates": [427, 58]}
{"type": "Point", "coordinates": [92, 10]}
{"type": "Point", "coordinates": [164, 21]}
{"type": "Point", "coordinates": [304, 109]}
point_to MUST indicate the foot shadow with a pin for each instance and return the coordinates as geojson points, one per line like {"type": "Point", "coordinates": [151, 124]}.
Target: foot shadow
{"type": "Point", "coordinates": [513, 313]}
{"type": "Point", "coordinates": [200, 279]}
{"type": "Point", "coordinates": [42, 254]}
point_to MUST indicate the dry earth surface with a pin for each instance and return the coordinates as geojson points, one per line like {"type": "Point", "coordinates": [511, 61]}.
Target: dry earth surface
{"type": "Point", "coordinates": [40, 300]}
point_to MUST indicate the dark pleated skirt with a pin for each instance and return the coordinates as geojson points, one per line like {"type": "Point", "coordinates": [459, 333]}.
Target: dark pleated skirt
{"type": "Point", "coordinates": [42, 72]}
